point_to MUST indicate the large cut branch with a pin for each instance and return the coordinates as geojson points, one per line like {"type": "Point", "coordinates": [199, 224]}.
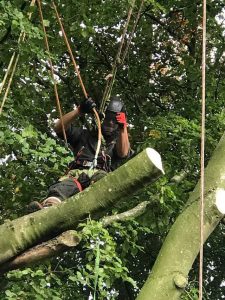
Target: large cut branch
{"type": "Point", "coordinates": [169, 274]}
{"type": "Point", "coordinates": [64, 242]}
{"type": "Point", "coordinates": [29, 230]}
{"type": "Point", "coordinates": [61, 243]}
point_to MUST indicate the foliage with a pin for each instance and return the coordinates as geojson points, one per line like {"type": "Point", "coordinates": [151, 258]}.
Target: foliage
{"type": "Point", "coordinates": [105, 255]}
{"type": "Point", "coordinates": [160, 84]}
{"type": "Point", "coordinates": [104, 266]}
{"type": "Point", "coordinates": [32, 284]}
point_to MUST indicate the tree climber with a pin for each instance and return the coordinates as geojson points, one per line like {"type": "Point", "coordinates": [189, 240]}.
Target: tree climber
{"type": "Point", "coordinates": [115, 148]}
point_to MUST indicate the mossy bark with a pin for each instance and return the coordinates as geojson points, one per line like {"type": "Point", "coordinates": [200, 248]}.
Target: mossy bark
{"type": "Point", "coordinates": [64, 242]}
{"type": "Point", "coordinates": [169, 274]}
{"type": "Point", "coordinates": [20, 234]}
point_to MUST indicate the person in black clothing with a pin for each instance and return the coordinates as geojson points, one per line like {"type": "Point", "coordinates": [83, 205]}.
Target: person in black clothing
{"type": "Point", "coordinates": [83, 171]}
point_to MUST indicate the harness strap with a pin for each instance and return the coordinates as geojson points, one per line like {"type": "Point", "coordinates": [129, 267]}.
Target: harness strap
{"type": "Point", "coordinates": [77, 183]}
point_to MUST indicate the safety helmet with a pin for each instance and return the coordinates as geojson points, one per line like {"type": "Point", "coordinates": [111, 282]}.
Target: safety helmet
{"type": "Point", "coordinates": [110, 125]}
{"type": "Point", "coordinates": [115, 105]}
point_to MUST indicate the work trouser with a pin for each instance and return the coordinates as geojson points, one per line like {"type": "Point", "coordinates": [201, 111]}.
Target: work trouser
{"type": "Point", "coordinates": [71, 184]}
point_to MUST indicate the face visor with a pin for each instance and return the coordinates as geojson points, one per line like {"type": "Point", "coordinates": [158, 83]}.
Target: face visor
{"type": "Point", "coordinates": [109, 125]}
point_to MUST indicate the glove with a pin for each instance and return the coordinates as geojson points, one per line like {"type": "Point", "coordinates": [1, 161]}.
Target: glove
{"type": "Point", "coordinates": [121, 119]}
{"type": "Point", "coordinates": [84, 180]}
{"type": "Point", "coordinates": [98, 175]}
{"type": "Point", "coordinates": [87, 106]}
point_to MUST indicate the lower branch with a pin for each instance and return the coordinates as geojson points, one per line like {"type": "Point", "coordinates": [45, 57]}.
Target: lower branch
{"type": "Point", "coordinates": [133, 213]}
{"type": "Point", "coordinates": [64, 242]}
{"type": "Point", "coordinates": [59, 244]}
{"type": "Point", "coordinates": [32, 229]}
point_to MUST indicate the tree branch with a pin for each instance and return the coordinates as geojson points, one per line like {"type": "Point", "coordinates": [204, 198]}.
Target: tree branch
{"type": "Point", "coordinates": [53, 247]}
{"type": "Point", "coordinates": [64, 242]}
{"type": "Point", "coordinates": [42, 225]}
{"type": "Point", "coordinates": [104, 54]}
{"type": "Point", "coordinates": [127, 215]}
{"type": "Point", "coordinates": [169, 30]}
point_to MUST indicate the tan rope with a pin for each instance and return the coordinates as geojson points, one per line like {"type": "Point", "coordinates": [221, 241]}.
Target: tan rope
{"type": "Point", "coordinates": [125, 31]}
{"type": "Point", "coordinates": [9, 83]}
{"type": "Point", "coordinates": [70, 51]}
{"type": "Point", "coordinates": [99, 137]}
{"type": "Point", "coordinates": [7, 72]}
{"type": "Point", "coordinates": [52, 71]}
{"type": "Point", "coordinates": [12, 65]}
{"type": "Point", "coordinates": [81, 83]}
{"type": "Point", "coordinates": [108, 88]}
{"type": "Point", "coordinates": [132, 32]}
{"type": "Point", "coordinates": [21, 37]}
{"type": "Point", "coordinates": [202, 152]}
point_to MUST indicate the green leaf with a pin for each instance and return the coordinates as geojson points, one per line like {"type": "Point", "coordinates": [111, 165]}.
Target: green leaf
{"type": "Point", "coordinates": [73, 278]}
{"type": "Point", "coordinates": [9, 294]}
{"type": "Point", "coordinates": [84, 33]}
{"type": "Point", "coordinates": [46, 23]}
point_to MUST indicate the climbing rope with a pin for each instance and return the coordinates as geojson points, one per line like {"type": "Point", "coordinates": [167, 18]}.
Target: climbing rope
{"type": "Point", "coordinates": [81, 82]}
{"type": "Point", "coordinates": [52, 71]}
{"type": "Point", "coordinates": [8, 70]}
{"type": "Point", "coordinates": [70, 51]}
{"type": "Point", "coordinates": [132, 32]}
{"type": "Point", "coordinates": [9, 83]}
{"type": "Point", "coordinates": [12, 65]}
{"type": "Point", "coordinates": [110, 81]}
{"type": "Point", "coordinates": [202, 152]}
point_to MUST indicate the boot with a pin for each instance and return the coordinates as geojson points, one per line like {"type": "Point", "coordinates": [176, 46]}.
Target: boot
{"type": "Point", "coordinates": [50, 201]}
{"type": "Point", "coordinates": [35, 205]}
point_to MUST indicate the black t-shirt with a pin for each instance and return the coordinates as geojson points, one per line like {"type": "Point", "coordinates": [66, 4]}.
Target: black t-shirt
{"type": "Point", "coordinates": [84, 143]}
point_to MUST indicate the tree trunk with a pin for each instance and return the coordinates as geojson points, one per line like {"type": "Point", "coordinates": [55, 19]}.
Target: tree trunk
{"type": "Point", "coordinates": [29, 230]}
{"type": "Point", "coordinates": [169, 274]}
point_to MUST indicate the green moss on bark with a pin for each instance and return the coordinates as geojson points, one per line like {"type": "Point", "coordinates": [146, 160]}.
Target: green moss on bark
{"type": "Point", "coordinates": [31, 229]}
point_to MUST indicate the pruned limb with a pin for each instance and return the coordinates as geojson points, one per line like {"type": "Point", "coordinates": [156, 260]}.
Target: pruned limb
{"type": "Point", "coordinates": [64, 242]}
{"type": "Point", "coordinates": [178, 178]}
{"type": "Point", "coordinates": [61, 243]}
{"type": "Point", "coordinates": [169, 274]}
{"type": "Point", "coordinates": [27, 231]}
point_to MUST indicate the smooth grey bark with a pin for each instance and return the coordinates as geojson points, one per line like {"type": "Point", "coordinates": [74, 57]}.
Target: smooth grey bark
{"type": "Point", "coordinates": [170, 271]}
{"type": "Point", "coordinates": [31, 229]}
{"type": "Point", "coordinates": [64, 242]}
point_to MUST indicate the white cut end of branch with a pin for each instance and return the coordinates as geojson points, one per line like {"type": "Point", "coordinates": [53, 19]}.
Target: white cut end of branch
{"type": "Point", "coordinates": [155, 158]}
{"type": "Point", "coordinates": [220, 200]}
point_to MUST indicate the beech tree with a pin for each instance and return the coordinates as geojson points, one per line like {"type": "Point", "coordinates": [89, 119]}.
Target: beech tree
{"type": "Point", "coordinates": [111, 252]}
